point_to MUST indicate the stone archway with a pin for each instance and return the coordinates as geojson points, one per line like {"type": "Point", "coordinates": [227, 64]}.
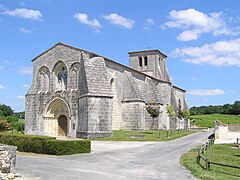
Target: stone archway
{"type": "Point", "coordinates": [56, 118]}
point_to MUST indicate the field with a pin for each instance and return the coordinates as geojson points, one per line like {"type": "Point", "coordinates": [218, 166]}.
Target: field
{"type": "Point", "coordinates": [218, 153]}
{"type": "Point", "coordinates": [162, 135]}
{"type": "Point", "coordinates": [208, 120]}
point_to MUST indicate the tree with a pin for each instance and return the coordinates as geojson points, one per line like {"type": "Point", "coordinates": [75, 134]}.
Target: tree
{"type": "Point", "coordinates": [154, 111]}
{"type": "Point", "coordinates": [186, 114]}
{"type": "Point", "coordinates": [5, 110]}
{"type": "Point", "coordinates": [171, 112]}
{"type": "Point", "coordinates": [236, 108]}
{"type": "Point", "coordinates": [179, 111]}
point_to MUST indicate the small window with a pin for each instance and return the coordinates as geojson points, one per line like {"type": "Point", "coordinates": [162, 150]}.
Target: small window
{"type": "Point", "coordinates": [140, 61]}
{"type": "Point", "coordinates": [145, 61]}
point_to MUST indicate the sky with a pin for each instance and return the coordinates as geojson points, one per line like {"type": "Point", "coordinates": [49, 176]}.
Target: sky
{"type": "Point", "coordinates": [200, 38]}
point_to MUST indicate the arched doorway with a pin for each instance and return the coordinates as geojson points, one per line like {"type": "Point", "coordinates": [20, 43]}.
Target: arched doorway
{"type": "Point", "coordinates": [56, 118]}
{"type": "Point", "coordinates": [62, 125]}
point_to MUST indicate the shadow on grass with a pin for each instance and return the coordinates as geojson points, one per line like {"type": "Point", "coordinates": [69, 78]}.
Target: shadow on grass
{"type": "Point", "coordinates": [146, 132]}
{"type": "Point", "coordinates": [237, 155]}
{"type": "Point", "coordinates": [226, 173]}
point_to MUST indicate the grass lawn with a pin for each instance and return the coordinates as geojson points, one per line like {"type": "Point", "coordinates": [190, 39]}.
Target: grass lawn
{"type": "Point", "coordinates": [149, 135]}
{"type": "Point", "coordinates": [208, 120]}
{"type": "Point", "coordinates": [225, 154]}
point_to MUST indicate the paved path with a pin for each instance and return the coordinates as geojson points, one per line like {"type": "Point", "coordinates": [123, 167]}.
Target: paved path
{"type": "Point", "coordinates": [116, 160]}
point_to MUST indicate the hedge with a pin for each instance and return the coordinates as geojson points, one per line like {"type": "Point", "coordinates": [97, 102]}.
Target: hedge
{"type": "Point", "coordinates": [45, 144]}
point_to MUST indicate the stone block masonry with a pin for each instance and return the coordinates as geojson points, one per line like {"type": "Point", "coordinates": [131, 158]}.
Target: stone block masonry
{"type": "Point", "coordinates": [7, 158]}
{"type": "Point", "coordinates": [77, 93]}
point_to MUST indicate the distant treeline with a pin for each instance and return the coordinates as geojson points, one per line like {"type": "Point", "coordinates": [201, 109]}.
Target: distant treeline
{"type": "Point", "coordinates": [220, 109]}
{"type": "Point", "coordinates": [7, 111]}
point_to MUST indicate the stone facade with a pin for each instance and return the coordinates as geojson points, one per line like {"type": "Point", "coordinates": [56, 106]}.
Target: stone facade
{"type": "Point", "coordinates": [76, 93]}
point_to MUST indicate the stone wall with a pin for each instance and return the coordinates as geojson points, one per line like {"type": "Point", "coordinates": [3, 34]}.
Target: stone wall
{"type": "Point", "coordinates": [226, 133]}
{"type": "Point", "coordinates": [133, 115]}
{"type": "Point", "coordinates": [95, 117]}
{"type": "Point", "coordinates": [7, 158]}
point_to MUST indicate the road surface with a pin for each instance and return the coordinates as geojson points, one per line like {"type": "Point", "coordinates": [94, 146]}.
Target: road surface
{"type": "Point", "coordinates": [115, 161]}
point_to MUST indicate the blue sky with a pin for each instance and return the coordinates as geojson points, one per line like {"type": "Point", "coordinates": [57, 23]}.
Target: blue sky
{"type": "Point", "coordinates": [200, 38]}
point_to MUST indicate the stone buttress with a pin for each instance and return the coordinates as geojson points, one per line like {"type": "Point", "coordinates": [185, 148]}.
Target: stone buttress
{"type": "Point", "coordinates": [95, 99]}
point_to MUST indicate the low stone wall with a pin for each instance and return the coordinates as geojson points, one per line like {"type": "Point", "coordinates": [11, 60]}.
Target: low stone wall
{"type": "Point", "coordinates": [7, 158]}
{"type": "Point", "coordinates": [226, 133]}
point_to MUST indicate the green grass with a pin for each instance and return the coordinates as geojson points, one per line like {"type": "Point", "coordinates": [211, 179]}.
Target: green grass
{"type": "Point", "coordinates": [208, 120]}
{"type": "Point", "coordinates": [225, 154]}
{"type": "Point", "coordinates": [122, 135]}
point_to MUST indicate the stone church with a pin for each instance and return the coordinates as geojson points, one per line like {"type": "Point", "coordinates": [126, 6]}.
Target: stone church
{"type": "Point", "coordinates": [77, 93]}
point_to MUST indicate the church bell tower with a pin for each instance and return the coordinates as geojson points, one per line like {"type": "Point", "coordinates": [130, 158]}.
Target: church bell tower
{"type": "Point", "coordinates": [150, 62]}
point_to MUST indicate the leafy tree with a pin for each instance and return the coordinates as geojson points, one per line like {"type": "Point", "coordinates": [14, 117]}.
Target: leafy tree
{"type": "Point", "coordinates": [186, 114]}
{"type": "Point", "coordinates": [5, 110]}
{"type": "Point", "coordinates": [224, 109]}
{"type": "Point", "coordinates": [179, 111]}
{"type": "Point", "coordinates": [20, 115]}
{"type": "Point", "coordinates": [236, 108]}
{"type": "Point", "coordinates": [19, 125]}
{"type": "Point", "coordinates": [154, 111]}
{"type": "Point", "coordinates": [171, 112]}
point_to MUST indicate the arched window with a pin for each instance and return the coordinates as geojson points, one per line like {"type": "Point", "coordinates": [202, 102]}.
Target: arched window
{"type": "Point", "coordinates": [140, 61]}
{"type": "Point", "coordinates": [61, 76]}
{"type": "Point", "coordinates": [43, 79]}
{"type": "Point", "coordinates": [73, 76]}
{"type": "Point", "coordinates": [145, 61]}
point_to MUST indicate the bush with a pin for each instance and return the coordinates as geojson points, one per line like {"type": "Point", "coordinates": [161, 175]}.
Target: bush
{"type": "Point", "coordinates": [45, 144]}
{"type": "Point", "coordinates": [19, 125]}
{"type": "Point", "coordinates": [4, 125]}
{"type": "Point", "coordinates": [25, 143]}
{"type": "Point", "coordinates": [11, 119]}
{"type": "Point", "coordinates": [61, 147]}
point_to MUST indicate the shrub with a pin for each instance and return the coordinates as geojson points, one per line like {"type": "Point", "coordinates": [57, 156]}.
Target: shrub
{"type": "Point", "coordinates": [4, 125]}
{"type": "Point", "coordinates": [45, 144]}
{"type": "Point", "coordinates": [19, 125]}
{"type": "Point", "coordinates": [25, 143]}
{"type": "Point", "coordinates": [171, 112]}
{"type": "Point", "coordinates": [63, 147]}
{"type": "Point", "coordinates": [11, 119]}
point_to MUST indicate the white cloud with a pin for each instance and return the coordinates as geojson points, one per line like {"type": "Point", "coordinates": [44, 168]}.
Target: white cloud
{"type": "Point", "coordinates": [1, 67]}
{"type": "Point", "coordinates": [2, 87]}
{"type": "Point", "coordinates": [212, 92]}
{"type": "Point", "coordinates": [148, 23]}
{"type": "Point", "coordinates": [195, 78]}
{"type": "Point", "coordinates": [25, 30]}
{"type": "Point", "coordinates": [24, 86]}
{"type": "Point", "coordinates": [194, 23]}
{"type": "Point", "coordinates": [25, 70]}
{"type": "Point", "coordinates": [83, 18]}
{"type": "Point", "coordinates": [20, 97]}
{"type": "Point", "coordinates": [220, 53]}
{"type": "Point", "coordinates": [116, 19]}
{"type": "Point", "coordinates": [24, 13]}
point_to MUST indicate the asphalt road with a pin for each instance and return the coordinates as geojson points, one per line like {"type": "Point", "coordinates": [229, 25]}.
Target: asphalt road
{"type": "Point", "coordinates": [115, 160]}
